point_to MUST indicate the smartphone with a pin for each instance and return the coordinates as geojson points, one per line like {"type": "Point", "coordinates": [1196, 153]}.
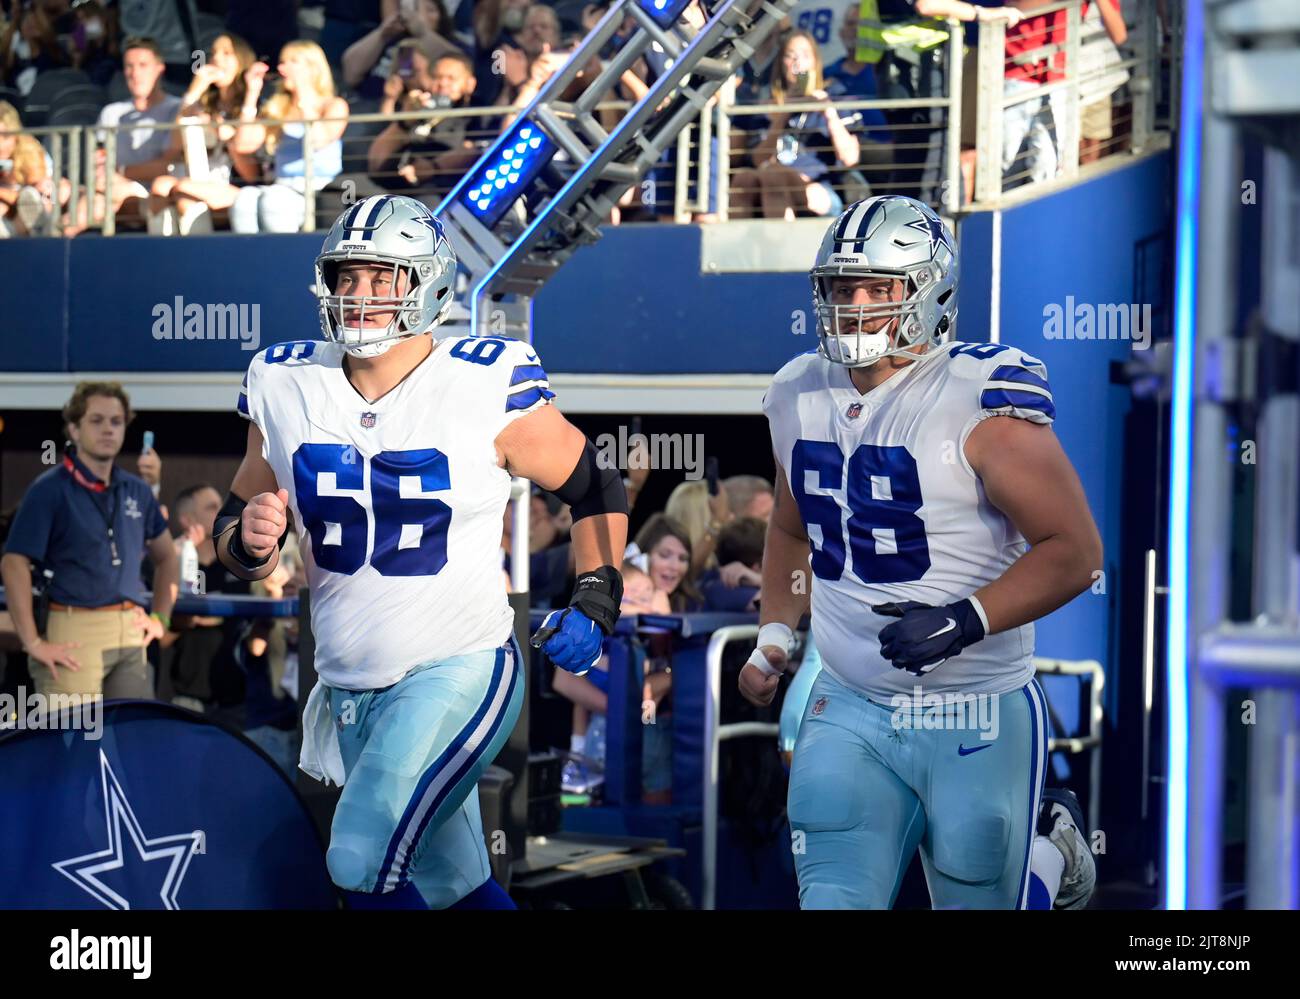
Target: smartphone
{"type": "Point", "coordinates": [147, 443]}
{"type": "Point", "coordinates": [801, 84]}
{"type": "Point", "coordinates": [711, 473]}
{"type": "Point", "coordinates": [406, 64]}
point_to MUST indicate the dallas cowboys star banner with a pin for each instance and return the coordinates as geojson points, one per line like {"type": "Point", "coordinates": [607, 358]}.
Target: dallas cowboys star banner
{"type": "Point", "coordinates": [155, 808]}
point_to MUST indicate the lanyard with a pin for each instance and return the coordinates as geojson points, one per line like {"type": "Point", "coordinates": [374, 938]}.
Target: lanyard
{"type": "Point", "coordinates": [109, 515]}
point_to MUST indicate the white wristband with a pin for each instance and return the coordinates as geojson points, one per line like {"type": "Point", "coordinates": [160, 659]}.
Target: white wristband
{"type": "Point", "coordinates": [776, 634]}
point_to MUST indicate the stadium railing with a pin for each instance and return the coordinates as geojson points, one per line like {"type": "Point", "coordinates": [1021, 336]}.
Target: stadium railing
{"type": "Point", "coordinates": [922, 157]}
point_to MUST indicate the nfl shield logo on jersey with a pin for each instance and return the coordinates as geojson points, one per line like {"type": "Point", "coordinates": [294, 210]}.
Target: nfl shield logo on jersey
{"type": "Point", "coordinates": [368, 420]}
{"type": "Point", "coordinates": [854, 410]}
{"type": "Point", "coordinates": [819, 706]}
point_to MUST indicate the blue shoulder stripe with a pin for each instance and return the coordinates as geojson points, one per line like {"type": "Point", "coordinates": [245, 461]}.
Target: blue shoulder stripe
{"type": "Point", "coordinates": [1023, 376]}
{"type": "Point", "coordinates": [528, 373]}
{"type": "Point", "coordinates": [243, 403]}
{"type": "Point", "coordinates": [1014, 399]}
{"type": "Point", "coordinates": [527, 398]}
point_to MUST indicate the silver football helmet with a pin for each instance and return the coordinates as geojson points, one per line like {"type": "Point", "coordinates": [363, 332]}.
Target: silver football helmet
{"type": "Point", "coordinates": [387, 230]}
{"type": "Point", "coordinates": [886, 237]}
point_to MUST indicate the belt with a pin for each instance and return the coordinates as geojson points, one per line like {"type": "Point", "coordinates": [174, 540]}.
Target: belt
{"type": "Point", "coordinates": [124, 605]}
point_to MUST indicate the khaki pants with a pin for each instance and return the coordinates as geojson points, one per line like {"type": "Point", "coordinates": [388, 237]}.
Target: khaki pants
{"type": "Point", "coordinates": [111, 655]}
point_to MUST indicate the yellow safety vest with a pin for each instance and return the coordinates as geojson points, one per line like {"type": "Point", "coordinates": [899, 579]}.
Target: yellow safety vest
{"type": "Point", "coordinates": [871, 34]}
{"type": "Point", "coordinates": [907, 40]}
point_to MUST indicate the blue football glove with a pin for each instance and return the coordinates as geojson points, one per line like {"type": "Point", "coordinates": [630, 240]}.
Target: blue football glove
{"type": "Point", "coordinates": [571, 640]}
{"type": "Point", "coordinates": [924, 637]}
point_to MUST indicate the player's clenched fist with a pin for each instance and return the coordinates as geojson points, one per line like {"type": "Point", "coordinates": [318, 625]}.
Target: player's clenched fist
{"type": "Point", "coordinates": [761, 674]}
{"type": "Point", "coordinates": [263, 521]}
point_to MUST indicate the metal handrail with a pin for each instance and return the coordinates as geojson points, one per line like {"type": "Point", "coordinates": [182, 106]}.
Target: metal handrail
{"type": "Point", "coordinates": [1091, 743]}
{"type": "Point", "coordinates": [714, 734]}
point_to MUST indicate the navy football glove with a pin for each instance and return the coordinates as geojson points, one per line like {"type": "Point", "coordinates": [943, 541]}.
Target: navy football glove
{"type": "Point", "coordinates": [572, 637]}
{"type": "Point", "coordinates": [923, 637]}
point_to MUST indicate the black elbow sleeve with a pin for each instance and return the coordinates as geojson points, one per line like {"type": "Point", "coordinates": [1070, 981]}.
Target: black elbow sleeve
{"type": "Point", "coordinates": [590, 489]}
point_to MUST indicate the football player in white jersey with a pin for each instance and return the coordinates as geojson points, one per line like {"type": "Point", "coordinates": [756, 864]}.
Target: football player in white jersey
{"type": "Point", "coordinates": [920, 481]}
{"type": "Point", "coordinates": [393, 450]}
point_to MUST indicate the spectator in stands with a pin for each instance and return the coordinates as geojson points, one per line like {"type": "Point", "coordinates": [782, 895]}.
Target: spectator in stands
{"type": "Point", "coordinates": [205, 673]}
{"type": "Point", "coordinates": [305, 94]}
{"type": "Point", "coordinates": [94, 42]}
{"type": "Point", "coordinates": [25, 185]}
{"type": "Point", "coordinates": [29, 47]}
{"type": "Point", "coordinates": [749, 496]}
{"type": "Point", "coordinates": [1095, 128]}
{"type": "Point", "coordinates": [213, 98]}
{"type": "Point", "coordinates": [499, 60]}
{"type": "Point", "coordinates": [82, 529]}
{"type": "Point", "coordinates": [143, 151]}
{"type": "Point", "coordinates": [370, 63]}
{"type": "Point", "coordinates": [848, 78]}
{"type": "Point", "coordinates": [429, 155]}
{"type": "Point", "coordinates": [702, 516]}
{"type": "Point", "coordinates": [735, 584]}
{"type": "Point", "coordinates": [1032, 123]}
{"type": "Point", "coordinates": [171, 24]}
{"type": "Point", "coordinates": [550, 562]}
{"type": "Point", "coordinates": [582, 772]}
{"type": "Point", "coordinates": [794, 159]}
{"type": "Point", "coordinates": [663, 550]}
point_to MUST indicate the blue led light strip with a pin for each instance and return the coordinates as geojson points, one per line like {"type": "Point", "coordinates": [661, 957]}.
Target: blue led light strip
{"type": "Point", "coordinates": [1180, 459]}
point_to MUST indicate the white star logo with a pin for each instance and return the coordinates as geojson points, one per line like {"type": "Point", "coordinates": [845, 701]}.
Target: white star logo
{"type": "Point", "coordinates": [84, 871]}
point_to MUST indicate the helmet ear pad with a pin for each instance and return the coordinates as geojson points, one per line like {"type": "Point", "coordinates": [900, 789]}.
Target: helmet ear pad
{"type": "Point", "coordinates": [433, 298]}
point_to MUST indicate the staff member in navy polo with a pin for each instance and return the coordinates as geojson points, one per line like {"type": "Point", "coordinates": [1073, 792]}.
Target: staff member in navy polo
{"type": "Point", "coordinates": [89, 522]}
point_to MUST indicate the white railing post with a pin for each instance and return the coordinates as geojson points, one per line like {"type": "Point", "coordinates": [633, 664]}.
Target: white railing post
{"type": "Point", "coordinates": [988, 108]}
{"type": "Point", "coordinates": [726, 100]}
{"type": "Point", "coordinates": [74, 172]}
{"type": "Point", "coordinates": [56, 156]}
{"type": "Point", "coordinates": [1067, 130]}
{"type": "Point", "coordinates": [110, 166]}
{"type": "Point", "coordinates": [952, 183]}
{"type": "Point", "coordinates": [308, 190]}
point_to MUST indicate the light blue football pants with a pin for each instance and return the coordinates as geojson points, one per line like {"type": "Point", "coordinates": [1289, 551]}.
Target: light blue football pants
{"type": "Point", "coordinates": [871, 783]}
{"type": "Point", "coordinates": [413, 753]}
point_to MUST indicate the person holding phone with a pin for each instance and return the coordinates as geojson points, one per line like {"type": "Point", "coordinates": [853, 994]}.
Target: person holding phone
{"type": "Point", "coordinates": [304, 98]}
{"type": "Point", "coordinates": [795, 159]}
{"type": "Point", "coordinates": [430, 154]}
{"type": "Point", "coordinates": [372, 60]}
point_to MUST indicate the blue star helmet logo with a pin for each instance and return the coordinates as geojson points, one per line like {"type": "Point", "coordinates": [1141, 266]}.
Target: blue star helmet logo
{"type": "Point", "coordinates": [932, 227]}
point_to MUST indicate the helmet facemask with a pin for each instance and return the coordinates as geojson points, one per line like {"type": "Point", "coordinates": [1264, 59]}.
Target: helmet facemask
{"type": "Point", "coordinates": [846, 330]}
{"type": "Point", "coordinates": [344, 318]}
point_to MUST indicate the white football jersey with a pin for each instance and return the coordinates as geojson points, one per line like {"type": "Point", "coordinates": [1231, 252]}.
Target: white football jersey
{"type": "Point", "coordinates": [893, 510]}
{"type": "Point", "coordinates": [399, 501]}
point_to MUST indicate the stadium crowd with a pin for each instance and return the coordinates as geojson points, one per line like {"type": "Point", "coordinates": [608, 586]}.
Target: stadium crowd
{"type": "Point", "coordinates": [254, 78]}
